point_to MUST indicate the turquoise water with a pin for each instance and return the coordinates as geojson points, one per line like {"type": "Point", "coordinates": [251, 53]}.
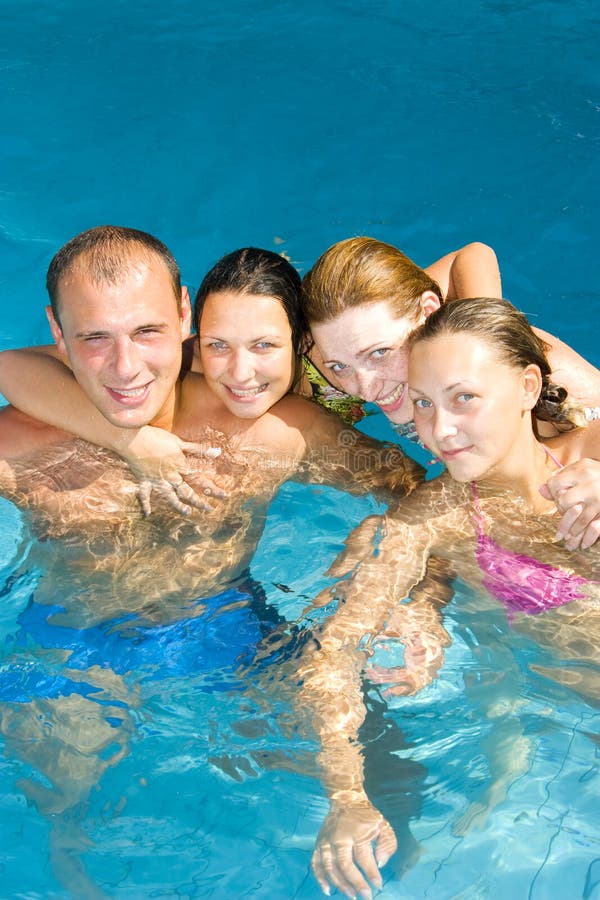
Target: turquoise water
{"type": "Point", "coordinates": [291, 127]}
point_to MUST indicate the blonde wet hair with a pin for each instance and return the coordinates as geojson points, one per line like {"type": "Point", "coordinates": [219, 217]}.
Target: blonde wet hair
{"type": "Point", "coordinates": [513, 341]}
{"type": "Point", "coordinates": [364, 271]}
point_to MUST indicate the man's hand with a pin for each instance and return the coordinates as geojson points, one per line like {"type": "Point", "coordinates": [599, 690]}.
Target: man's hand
{"type": "Point", "coordinates": [576, 491]}
{"type": "Point", "coordinates": [353, 844]}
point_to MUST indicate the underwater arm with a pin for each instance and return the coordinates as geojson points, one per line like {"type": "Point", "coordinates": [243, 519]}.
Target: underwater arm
{"type": "Point", "coordinates": [355, 840]}
{"type": "Point", "coordinates": [418, 625]}
{"type": "Point", "coordinates": [44, 388]}
{"type": "Point", "coordinates": [339, 455]}
{"type": "Point", "coordinates": [472, 271]}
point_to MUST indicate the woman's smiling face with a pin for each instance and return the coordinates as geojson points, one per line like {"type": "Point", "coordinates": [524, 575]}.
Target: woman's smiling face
{"type": "Point", "coordinates": [246, 351]}
{"type": "Point", "coordinates": [364, 348]}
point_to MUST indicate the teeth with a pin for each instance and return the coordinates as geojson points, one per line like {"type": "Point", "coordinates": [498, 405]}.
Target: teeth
{"type": "Point", "coordinates": [132, 392]}
{"type": "Point", "coordinates": [395, 395]}
{"type": "Point", "coordinates": [250, 392]}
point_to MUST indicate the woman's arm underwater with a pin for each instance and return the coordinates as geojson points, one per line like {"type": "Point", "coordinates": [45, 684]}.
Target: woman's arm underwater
{"type": "Point", "coordinates": [340, 455]}
{"type": "Point", "coordinates": [355, 840]}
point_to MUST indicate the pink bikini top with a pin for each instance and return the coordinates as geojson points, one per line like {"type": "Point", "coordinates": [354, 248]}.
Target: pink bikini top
{"type": "Point", "coordinates": [522, 583]}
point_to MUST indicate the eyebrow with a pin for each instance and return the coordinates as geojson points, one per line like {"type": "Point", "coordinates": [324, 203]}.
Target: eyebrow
{"type": "Point", "coordinates": [376, 346]}
{"type": "Point", "coordinates": [206, 335]}
{"type": "Point", "coordinates": [101, 332]}
{"type": "Point", "coordinates": [446, 390]}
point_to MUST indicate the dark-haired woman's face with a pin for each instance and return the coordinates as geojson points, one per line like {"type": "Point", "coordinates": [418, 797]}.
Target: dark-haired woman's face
{"type": "Point", "coordinates": [246, 351]}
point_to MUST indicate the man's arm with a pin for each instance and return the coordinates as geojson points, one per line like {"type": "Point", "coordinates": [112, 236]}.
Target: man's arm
{"type": "Point", "coordinates": [21, 436]}
{"type": "Point", "coordinates": [8, 480]}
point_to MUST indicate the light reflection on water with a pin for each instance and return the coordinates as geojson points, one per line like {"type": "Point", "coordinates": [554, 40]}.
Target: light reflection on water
{"type": "Point", "coordinates": [489, 775]}
{"type": "Point", "coordinates": [292, 127]}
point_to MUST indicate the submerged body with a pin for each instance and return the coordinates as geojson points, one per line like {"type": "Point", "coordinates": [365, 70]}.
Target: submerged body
{"type": "Point", "coordinates": [477, 376]}
{"type": "Point", "coordinates": [121, 596]}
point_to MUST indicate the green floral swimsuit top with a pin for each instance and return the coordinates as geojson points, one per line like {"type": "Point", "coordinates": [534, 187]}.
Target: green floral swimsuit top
{"type": "Point", "coordinates": [350, 409]}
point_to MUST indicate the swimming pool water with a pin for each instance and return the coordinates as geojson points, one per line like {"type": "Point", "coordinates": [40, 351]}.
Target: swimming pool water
{"type": "Point", "coordinates": [258, 122]}
{"type": "Point", "coordinates": [214, 799]}
{"type": "Point", "coordinates": [291, 126]}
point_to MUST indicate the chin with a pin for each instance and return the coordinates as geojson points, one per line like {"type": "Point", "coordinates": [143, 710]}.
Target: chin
{"type": "Point", "coordinates": [129, 421]}
{"type": "Point", "coordinates": [254, 411]}
{"type": "Point", "coordinates": [246, 414]}
{"type": "Point", "coordinates": [130, 418]}
{"type": "Point", "coordinates": [464, 476]}
{"type": "Point", "coordinates": [400, 416]}
{"type": "Point", "coordinates": [461, 477]}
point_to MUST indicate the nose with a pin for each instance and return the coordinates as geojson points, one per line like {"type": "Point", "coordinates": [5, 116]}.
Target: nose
{"type": "Point", "coordinates": [366, 384]}
{"type": "Point", "coordinates": [126, 360]}
{"type": "Point", "coordinates": [444, 426]}
{"type": "Point", "coordinates": [242, 366]}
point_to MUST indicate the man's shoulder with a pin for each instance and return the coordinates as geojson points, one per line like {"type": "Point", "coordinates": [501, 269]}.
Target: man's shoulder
{"type": "Point", "coordinates": [20, 435]}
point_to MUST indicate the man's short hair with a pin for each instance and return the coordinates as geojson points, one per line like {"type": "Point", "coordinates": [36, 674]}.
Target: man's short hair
{"type": "Point", "coordinates": [105, 254]}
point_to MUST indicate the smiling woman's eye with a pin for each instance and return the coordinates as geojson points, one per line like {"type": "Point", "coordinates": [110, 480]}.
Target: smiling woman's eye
{"type": "Point", "coordinates": [338, 368]}
{"type": "Point", "coordinates": [380, 352]}
{"type": "Point", "coordinates": [464, 397]}
{"type": "Point", "coordinates": [264, 345]}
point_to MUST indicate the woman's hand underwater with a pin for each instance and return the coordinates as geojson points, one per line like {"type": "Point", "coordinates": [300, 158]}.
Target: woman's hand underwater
{"type": "Point", "coordinates": [158, 460]}
{"type": "Point", "coordinates": [353, 844]}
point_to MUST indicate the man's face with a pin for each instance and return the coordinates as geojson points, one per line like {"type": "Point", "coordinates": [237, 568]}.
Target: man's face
{"type": "Point", "coordinates": [123, 342]}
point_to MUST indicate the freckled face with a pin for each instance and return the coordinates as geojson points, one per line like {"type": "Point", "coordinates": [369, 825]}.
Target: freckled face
{"type": "Point", "coordinates": [364, 348]}
{"type": "Point", "coordinates": [246, 351]}
{"type": "Point", "coordinates": [469, 407]}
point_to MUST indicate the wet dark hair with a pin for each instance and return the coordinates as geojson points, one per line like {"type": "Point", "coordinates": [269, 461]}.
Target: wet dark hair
{"type": "Point", "coordinates": [104, 255]}
{"type": "Point", "coordinates": [255, 271]}
{"type": "Point", "coordinates": [513, 340]}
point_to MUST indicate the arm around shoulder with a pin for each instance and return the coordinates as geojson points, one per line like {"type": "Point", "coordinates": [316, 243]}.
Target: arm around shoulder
{"type": "Point", "coordinates": [472, 271]}
{"type": "Point", "coordinates": [44, 388]}
{"type": "Point", "coordinates": [32, 379]}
